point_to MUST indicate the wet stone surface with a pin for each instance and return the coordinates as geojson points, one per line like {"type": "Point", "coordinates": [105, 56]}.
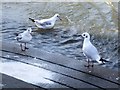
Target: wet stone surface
{"type": "Point", "coordinates": [95, 18]}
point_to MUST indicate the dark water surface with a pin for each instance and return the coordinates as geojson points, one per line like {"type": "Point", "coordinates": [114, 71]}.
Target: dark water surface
{"type": "Point", "coordinates": [98, 19]}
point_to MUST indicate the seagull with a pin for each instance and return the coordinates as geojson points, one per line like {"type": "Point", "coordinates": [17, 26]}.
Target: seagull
{"type": "Point", "coordinates": [46, 23]}
{"type": "Point", "coordinates": [24, 38]}
{"type": "Point", "coordinates": [90, 51]}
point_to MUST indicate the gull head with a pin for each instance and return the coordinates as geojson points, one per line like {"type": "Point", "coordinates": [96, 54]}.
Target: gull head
{"type": "Point", "coordinates": [29, 30]}
{"type": "Point", "coordinates": [57, 16]}
{"type": "Point", "coordinates": [86, 35]}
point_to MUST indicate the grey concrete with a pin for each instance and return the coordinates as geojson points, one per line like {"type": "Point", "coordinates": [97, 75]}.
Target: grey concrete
{"type": "Point", "coordinates": [69, 72]}
{"type": "Point", "coordinates": [61, 70]}
{"type": "Point", "coordinates": [10, 82]}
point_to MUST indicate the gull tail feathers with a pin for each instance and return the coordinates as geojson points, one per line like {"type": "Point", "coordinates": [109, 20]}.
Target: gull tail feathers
{"type": "Point", "coordinates": [16, 34]}
{"type": "Point", "coordinates": [103, 60]}
{"type": "Point", "coordinates": [32, 19]}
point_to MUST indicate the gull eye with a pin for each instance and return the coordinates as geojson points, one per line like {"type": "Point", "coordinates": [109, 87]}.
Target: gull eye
{"type": "Point", "coordinates": [86, 36]}
{"type": "Point", "coordinates": [83, 34]}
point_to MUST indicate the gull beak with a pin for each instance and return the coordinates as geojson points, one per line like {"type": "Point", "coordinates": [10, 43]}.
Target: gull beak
{"type": "Point", "coordinates": [31, 32]}
{"type": "Point", "coordinates": [81, 37]}
{"type": "Point", "coordinates": [60, 18]}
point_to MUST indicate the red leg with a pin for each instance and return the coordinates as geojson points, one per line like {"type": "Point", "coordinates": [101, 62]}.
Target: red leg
{"type": "Point", "coordinates": [88, 64]}
{"type": "Point", "coordinates": [21, 46]}
{"type": "Point", "coordinates": [92, 65]}
{"type": "Point", "coordinates": [26, 46]}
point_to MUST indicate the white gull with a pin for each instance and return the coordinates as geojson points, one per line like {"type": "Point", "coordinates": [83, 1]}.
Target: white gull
{"type": "Point", "coordinates": [46, 23]}
{"type": "Point", "coordinates": [24, 38]}
{"type": "Point", "coordinates": [90, 51]}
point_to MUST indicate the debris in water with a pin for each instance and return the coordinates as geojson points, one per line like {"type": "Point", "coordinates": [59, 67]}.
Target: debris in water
{"type": "Point", "coordinates": [7, 56]}
{"type": "Point", "coordinates": [35, 58]}
{"type": "Point", "coordinates": [117, 78]}
{"type": "Point", "coordinates": [89, 71]}
{"type": "Point", "coordinates": [69, 19]}
{"type": "Point", "coordinates": [16, 56]}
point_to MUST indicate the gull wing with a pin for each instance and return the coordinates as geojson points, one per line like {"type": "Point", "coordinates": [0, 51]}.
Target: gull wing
{"type": "Point", "coordinates": [43, 23]}
{"type": "Point", "coordinates": [90, 51]}
{"type": "Point", "coordinates": [19, 37]}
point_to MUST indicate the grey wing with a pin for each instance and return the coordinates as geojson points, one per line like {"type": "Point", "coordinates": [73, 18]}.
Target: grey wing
{"type": "Point", "coordinates": [90, 51]}
{"type": "Point", "coordinates": [19, 37]}
{"type": "Point", "coordinates": [44, 23]}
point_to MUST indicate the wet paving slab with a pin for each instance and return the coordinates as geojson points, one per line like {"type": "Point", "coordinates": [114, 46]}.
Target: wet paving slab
{"type": "Point", "coordinates": [61, 70]}
{"type": "Point", "coordinates": [11, 82]}
{"type": "Point", "coordinates": [29, 74]}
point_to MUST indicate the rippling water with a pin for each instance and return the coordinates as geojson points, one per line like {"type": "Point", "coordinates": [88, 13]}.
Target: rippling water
{"type": "Point", "coordinates": [98, 19]}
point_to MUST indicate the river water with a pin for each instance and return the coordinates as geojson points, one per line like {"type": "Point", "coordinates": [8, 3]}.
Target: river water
{"type": "Point", "coordinates": [98, 19]}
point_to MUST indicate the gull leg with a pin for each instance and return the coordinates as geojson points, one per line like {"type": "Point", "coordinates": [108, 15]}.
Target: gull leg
{"type": "Point", "coordinates": [88, 64]}
{"type": "Point", "coordinates": [92, 65]}
{"type": "Point", "coordinates": [103, 62]}
{"type": "Point", "coordinates": [21, 47]}
{"type": "Point", "coordinates": [26, 46]}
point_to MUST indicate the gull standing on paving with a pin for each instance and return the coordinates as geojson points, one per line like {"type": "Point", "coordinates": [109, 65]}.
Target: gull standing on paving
{"type": "Point", "coordinates": [90, 51]}
{"type": "Point", "coordinates": [46, 23]}
{"type": "Point", "coordinates": [24, 38]}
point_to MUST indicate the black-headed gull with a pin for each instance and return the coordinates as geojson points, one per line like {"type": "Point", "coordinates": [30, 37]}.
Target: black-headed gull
{"type": "Point", "coordinates": [90, 51]}
{"type": "Point", "coordinates": [24, 38]}
{"type": "Point", "coordinates": [46, 23]}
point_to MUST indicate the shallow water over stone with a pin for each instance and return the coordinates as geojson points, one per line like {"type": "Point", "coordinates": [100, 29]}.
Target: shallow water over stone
{"type": "Point", "coordinates": [98, 19]}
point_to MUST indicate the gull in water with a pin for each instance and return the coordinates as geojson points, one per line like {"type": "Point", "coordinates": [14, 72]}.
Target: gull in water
{"type": "Point", "coordinates": [90, 51]}
{"type": "Point", "coordinates": [46, 23]}
{"type": "Point", "coordinates": [24, 38]}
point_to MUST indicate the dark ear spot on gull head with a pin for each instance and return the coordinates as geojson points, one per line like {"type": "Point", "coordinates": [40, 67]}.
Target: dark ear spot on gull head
{"type": "Point", "coordinates": [29, 30]}
{"type": "Point", "coordinates": [86, 35]}
{"type": "Point", "coordinates": [58, 16]}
